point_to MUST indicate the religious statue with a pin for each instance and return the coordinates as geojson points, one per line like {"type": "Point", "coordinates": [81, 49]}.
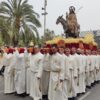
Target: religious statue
{"type": "Point", "coordinates": [70, 24]}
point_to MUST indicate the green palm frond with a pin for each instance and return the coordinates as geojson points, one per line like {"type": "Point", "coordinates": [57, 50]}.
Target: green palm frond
{"type": "Point", "coordinates": [18, 13]}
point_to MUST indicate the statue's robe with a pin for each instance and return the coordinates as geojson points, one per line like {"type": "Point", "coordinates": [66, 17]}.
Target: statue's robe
{"type": "Point", "coordinates": [72, 23]}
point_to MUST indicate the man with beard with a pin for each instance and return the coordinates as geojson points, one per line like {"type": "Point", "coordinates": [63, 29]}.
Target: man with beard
{"type": "Point", "coordinates": [56, 76]}
{"type": "Point", "coordinates": [46, 72]}
{"type": "Point", "coordinates": [36, 69]}
{"type": "Point", "coordinates": [66, 77]}
{"type": "Point", "coordinates": [81, 71]}
{"type": "Point", "coordinates": [96, 66]}
{"type": "Point", "coordinates": [87, 69]}
{"type": "Point", "coordinates": [20, 71]}
{"type": "Point", "coordinates": [75, 73]}
{"type": "Point", "coordinates": [9, 86]}
{"type": "Point", "coordinates": [69, 83]}
{"type": "Point", "coordinates": [30, 51]}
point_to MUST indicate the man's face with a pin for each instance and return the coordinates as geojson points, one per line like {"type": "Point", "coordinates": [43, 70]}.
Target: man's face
{"type": "Point", "coordinates": [46, 50]}
{"type": "Point", "coordinates": [54, 50]}
{"type": "Point", "coordinates": [89, 52]}
{"type": "Point", "coordinates": [79, 51]}
{"type": "Point", "coordinates": [67, 51]}
{"type": "Point", "coordinates": [73, 50]}
{"type": "Point", "coordinates": [36, 49]}
{"type": "Point", "coordinates": [96, 52]}
{"type": "Point", "coordinates": [93, 52]}
{"type": "Point", "coordinates": [61, 50]}
{"type": "Point", "coordinates": [99, 52]}
{"type": "Point", "coordinates": [82, 52]}
{"type": "Point", "coordinates": [86, 52]}
{"type": "Point", "coordinates": [6, 50]}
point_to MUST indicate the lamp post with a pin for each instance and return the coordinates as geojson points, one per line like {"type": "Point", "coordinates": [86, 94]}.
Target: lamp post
{"type": "Point", "coordinates": [44, 14]}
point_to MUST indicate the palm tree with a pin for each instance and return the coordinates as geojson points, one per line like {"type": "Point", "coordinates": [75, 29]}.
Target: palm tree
{"type": "Point", "coordinates": [22, 18]}
{"type": "Point", "coordinates": [4, 31]}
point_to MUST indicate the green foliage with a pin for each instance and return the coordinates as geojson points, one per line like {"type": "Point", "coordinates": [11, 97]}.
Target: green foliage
{"type": "Point", "coordinates": [49, 35]}
{"type": "Point", "coordinates": [22, 20]}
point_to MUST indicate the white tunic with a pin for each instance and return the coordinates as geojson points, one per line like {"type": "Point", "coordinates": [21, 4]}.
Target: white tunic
{"type": "Point", "coordinates": [36, 72]}
{"type": "Point", "coordinates": [87, 70]}
{"type": "Point", "coordinates": [72, 73]}
{"type": "Point", "coordinates": [67, 81]}
{"type": "Point", "coordinates": [97, 68]}
{"type": "Point", "coordinates": [81, 73]}
{"type": "Point", "coordinates": [20, 73]}
{"type": "Point", "coordinates": [92, 68]}
{"type": "Point", "coordinates": [9, 74]}
{"type": "Point", "coordinates": [56, 74]}
{"type": "Point", "coordinates": [98, 72]}
{"type": "Point", "coordinates": [46, 74]}
{"type": "Point", "coordinates": [28, 75]}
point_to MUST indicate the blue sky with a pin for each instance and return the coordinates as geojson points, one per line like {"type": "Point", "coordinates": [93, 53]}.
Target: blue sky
{"type": "Point", "coordinates": [88, 17]}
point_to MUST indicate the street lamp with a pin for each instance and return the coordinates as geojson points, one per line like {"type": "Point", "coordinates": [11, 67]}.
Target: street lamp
{"type": "Point", "coordinates": [44, 14]}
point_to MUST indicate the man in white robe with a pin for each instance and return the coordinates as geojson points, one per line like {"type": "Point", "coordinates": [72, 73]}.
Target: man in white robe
{"type": "Point", "coordinates": [56, 76]}
{"type": "Point", "coordinates": [65, 83]}
{"type": "Point", "coordinates": [28, 71]}
{"type": "Point", "coordinates": [98, 69]}
{"type": "Point", "coordinates": [36, 69]}
{"type": "Point", "coordinates": [20, 69]}
{"type": "Point", "coordinates": [84, 75]}
{"type": "Point", "coordinates": [75, 71]}
{"type": "Point", "coordinates": [69, 82]}
{"type": "Point", "coordinates": [87, 69]}
{"type": "Point", "coordinates": [46, 73]}
{"type": "Point", "coordinates": [93, 68]}
{"type": "Point", "coordinates": [9, 86]}
{"type": "Point", "coordinates": [30, 51]}
{"type": "Point", "coordinates": [81, 71]}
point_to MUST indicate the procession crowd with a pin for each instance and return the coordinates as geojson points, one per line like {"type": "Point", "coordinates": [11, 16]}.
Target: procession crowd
{"type": "Point", "coordinates": [55, 73]}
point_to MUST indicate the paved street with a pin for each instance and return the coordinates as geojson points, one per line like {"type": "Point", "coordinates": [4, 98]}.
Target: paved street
{"type": "Point", "coordinates": [9, 97]}
{"type": "Point", "coordinates": [92, 94]}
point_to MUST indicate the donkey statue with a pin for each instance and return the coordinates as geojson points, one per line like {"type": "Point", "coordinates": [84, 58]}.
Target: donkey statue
{"type": "Point", "coordinates": [64, 24]}
{"type": "Point", "coordinates": [70, 25]}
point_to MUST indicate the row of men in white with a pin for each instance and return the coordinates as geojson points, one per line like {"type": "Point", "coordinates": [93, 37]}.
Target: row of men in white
{"type": "Point", "coordinates": [61, 73]}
